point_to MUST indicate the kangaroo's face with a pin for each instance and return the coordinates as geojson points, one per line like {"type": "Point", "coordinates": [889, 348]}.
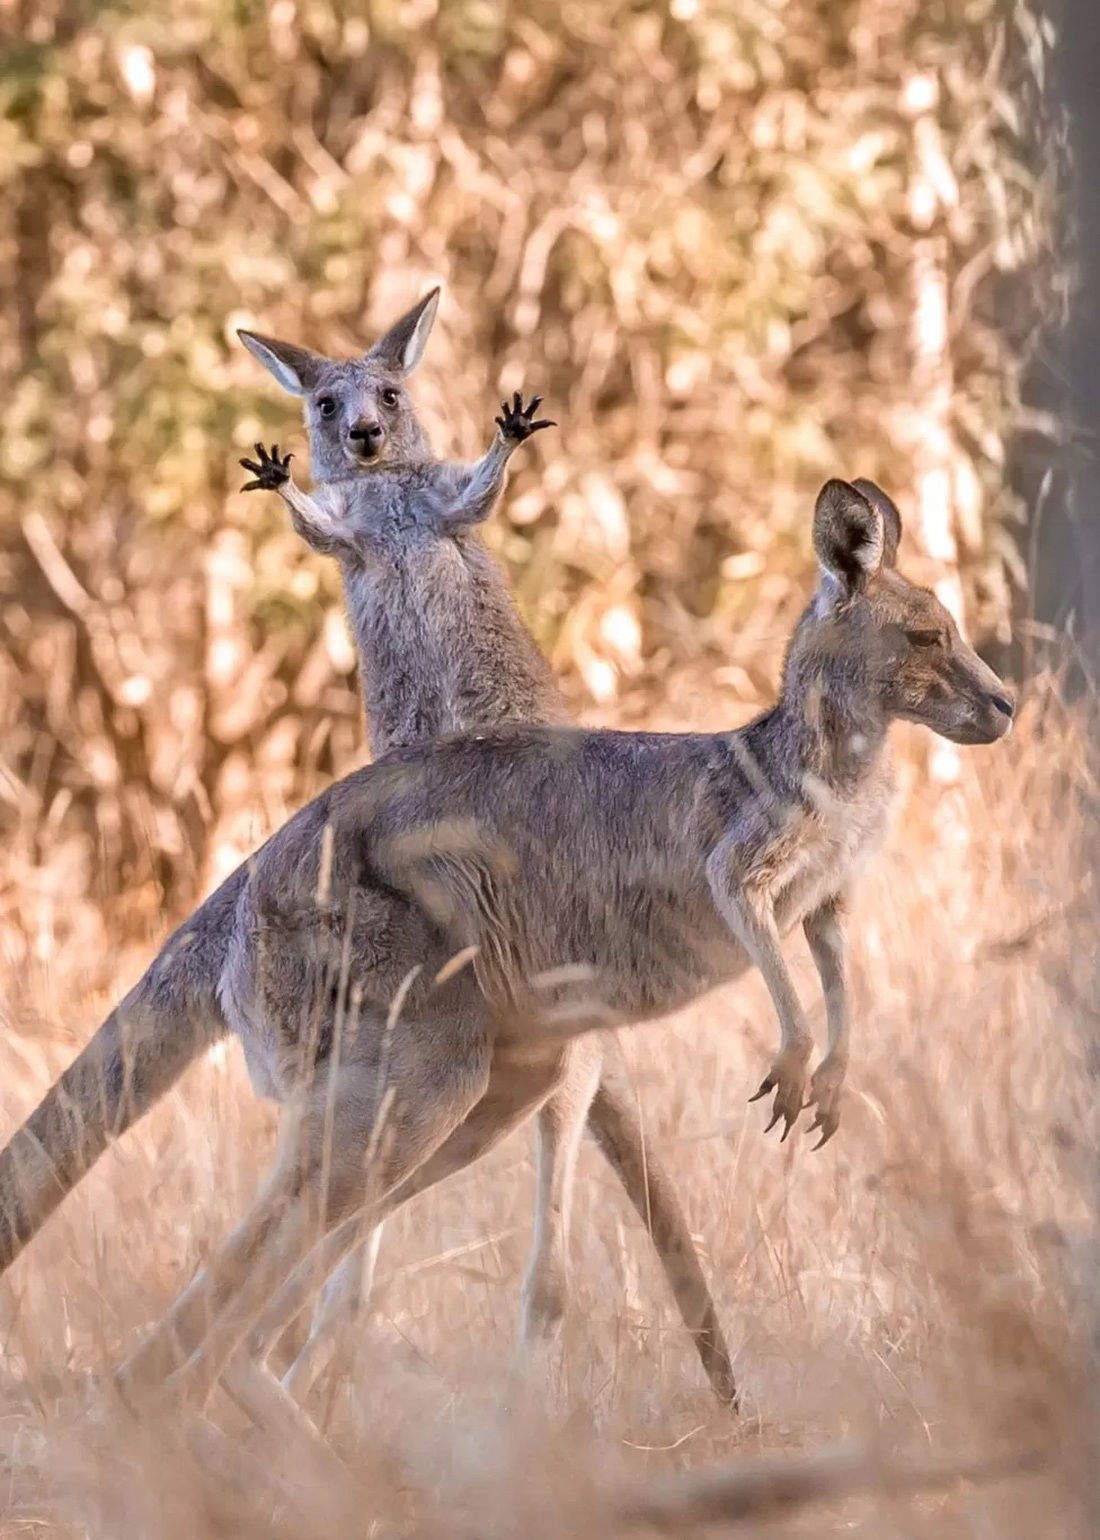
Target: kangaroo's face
{"type": "Point", "coordinates": [358, 412]}
{"type": "Point", "coordinates": [885, 639]}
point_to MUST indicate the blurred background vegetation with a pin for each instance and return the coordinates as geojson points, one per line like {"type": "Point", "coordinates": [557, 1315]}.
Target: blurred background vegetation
{"type": "Point", "coordinates": [739, 246]}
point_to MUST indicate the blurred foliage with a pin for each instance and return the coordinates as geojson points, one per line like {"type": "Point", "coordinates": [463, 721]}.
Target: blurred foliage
{"type": "Point", "coordinates": [687, 224]}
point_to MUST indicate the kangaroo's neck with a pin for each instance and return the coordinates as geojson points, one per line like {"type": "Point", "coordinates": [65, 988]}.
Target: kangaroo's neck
{"type": "Point", "coordinates": [835, 732]}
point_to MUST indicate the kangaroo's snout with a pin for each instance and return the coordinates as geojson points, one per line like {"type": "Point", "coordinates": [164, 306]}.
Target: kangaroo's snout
{"type": "Point", "coordinates": [366, 438]}
{"type": "Point", "coordinates": [1000, 711]}
{"type": "Point", "coordinates": [985, 707]}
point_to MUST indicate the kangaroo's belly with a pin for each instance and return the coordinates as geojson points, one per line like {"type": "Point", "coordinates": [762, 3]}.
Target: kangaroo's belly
{"type": "Point", "coordinates": [635, 960]}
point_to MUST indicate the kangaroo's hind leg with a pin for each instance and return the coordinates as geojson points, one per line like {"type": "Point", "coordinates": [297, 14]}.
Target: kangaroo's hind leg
{"type": "Point", "coordinates": [362, 1129]}
{"type": "Point", "coordinates": [560, 1127]}
{"type": "Point", "coordinates": [519, 1086]}
{"type": "Point", "coordinates": [339, 1307]}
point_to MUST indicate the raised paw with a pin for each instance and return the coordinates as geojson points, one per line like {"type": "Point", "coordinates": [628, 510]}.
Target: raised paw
{"type": "Point", "coordinates": [517, 423]}
{"type": "Point", "coordinates": [787, 1078]}
{"type": "Point", "coordinates": [825, 1088]}
{"type": "Point", "coordinates": [269, 471]}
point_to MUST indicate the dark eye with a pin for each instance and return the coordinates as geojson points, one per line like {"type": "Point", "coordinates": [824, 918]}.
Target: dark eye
{"type": "Point", "coordinates": [326, 406]}
{"type": "Point", "coordinates": [923, 638]}
{"type": "Point", "coordinates": [389, 397]}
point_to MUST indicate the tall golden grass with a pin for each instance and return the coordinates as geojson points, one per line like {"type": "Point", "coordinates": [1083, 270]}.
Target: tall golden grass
{"type": "Point", "coordinates": [917, 1294]}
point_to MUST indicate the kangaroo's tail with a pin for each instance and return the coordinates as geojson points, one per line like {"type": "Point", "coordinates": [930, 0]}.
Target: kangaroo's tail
{"type": "Point", "coordinates": [614, 1122]}
{"type": "Point", "coordinates": [165, 1022]}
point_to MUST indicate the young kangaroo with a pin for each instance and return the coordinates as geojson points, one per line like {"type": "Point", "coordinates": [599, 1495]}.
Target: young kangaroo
{"type": "Point", "coordinates": [442, 648]}
{"type": "Point", "coordinates": [512, 890]}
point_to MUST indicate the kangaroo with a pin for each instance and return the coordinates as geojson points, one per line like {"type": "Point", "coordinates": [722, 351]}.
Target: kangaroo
{"type": "Point", "coordinates": [441, 922]}
{"type": "Point", "coordinates": [442, 648]}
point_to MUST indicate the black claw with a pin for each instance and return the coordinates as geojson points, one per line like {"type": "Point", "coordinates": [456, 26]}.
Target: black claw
{"type": "Point", "coordinates": [516, 421]}
{"type": "Point", "coordinates": [766, 1085]}
{"type": "Point", "coordinates": [269, 470]}
{"type": "Point", "coordinates": [774, 1120]}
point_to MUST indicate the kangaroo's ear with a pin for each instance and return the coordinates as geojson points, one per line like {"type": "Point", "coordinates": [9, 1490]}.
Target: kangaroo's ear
{"type": "Point", "coordinates": [403, 346]}
{"type": "Point", "coordinates": [891, 519]}
{"type": "Point", "coordinates": [296, 369]}
{"type": "Point", "coordinates": [849, 537]}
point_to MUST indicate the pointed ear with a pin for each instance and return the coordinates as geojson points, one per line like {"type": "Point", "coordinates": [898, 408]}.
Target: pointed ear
{"type": "Point", "coordinates": [296, 369]}
{"type": "Point", "coordinates": [403, 346]}
{"type": "Point", "coordinates": [891, 518]}
{"type": "Point", "coordinates": [849, 538]}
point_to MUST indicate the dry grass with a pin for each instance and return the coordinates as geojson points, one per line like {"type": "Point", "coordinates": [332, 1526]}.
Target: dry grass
{"type": "Point", "coordinates": [912, 1285]}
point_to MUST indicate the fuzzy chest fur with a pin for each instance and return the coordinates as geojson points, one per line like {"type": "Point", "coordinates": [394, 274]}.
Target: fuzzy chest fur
{"type": "Point", "coordinates": [823, 846]}
{"type": "Point", "coordinates": [442, 648]}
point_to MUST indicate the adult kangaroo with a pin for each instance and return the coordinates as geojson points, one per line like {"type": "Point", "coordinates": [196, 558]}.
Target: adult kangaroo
{"type": "Point", "coordinates": [408, 954]}
{"type": "Point", "coordinates": [442, 648]}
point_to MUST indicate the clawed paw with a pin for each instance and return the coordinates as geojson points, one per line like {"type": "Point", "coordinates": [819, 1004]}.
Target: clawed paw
{"type": "Point", "coordinates": [269, 470]}
{"type": "Point", "coordinates": [787, 1078]}
{"type": "Point", "coordinates": [825, 1089]}
{"type": "Point", "coordinates": [516, 422]}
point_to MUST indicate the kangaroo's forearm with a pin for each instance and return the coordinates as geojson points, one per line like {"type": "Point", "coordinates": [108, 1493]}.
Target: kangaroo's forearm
{"type": "Point", "coordinates": [483, 485]}
{"type": "Point", "coordinates": [314, 522]}
{"type": "Point", "coordinates": [824, 932]}
{"type": "Point", "coordinates": [749, 916]}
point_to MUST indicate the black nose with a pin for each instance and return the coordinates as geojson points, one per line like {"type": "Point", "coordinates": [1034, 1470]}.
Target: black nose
{"type": "Point", "coordinates": [368, 434]}
{"type": "Point", "coordinates": [1005, 705]}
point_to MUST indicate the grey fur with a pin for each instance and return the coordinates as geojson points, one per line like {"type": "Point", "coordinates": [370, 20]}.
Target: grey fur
{"type": "Point", "coordinates": [442, 648]}
{"type": "Point", "coordinates": [587, 879]}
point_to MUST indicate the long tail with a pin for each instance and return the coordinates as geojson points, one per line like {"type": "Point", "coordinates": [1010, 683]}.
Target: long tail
{"type": "Point", "coordinates": [165, 1022]}
{"type": "Point", "coordinates": [614, 1123]}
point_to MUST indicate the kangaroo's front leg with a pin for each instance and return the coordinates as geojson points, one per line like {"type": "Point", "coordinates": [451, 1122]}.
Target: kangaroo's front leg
{"type": "Point", "coordinates": [313, 515]}
{"type": "Point", "coordinates": [476, 494]}
{"type": "Point", "coordinates": [824, 931]}
{"type": "Point", "coordinates": [748, 912]}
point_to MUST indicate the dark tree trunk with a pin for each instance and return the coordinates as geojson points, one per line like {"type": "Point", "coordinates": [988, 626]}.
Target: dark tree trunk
{"type": "Point", "coordinates": [1067, 579]}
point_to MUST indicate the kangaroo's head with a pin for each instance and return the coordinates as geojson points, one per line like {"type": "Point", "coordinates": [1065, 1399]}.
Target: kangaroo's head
{"type": "Point", "coordinates": [884, 645]}
{"type": "Point", "coordinates": [357, 410]}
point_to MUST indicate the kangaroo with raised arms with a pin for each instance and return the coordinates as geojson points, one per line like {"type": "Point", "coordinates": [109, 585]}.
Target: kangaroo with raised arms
{"type": "Point", "coordinates": [442, 648]}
